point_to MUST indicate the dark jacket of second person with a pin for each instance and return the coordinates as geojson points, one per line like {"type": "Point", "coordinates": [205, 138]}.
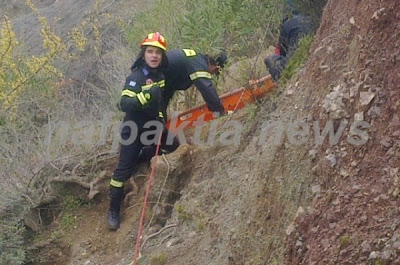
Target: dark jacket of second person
{"type": "Point", "coordinates": [187, 67]}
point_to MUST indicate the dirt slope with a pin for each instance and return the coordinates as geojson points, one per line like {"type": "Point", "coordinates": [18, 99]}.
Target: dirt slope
{"type": "Point", "coordinates": [355, 217]}
{"type": "Point", "coordinates": [236, 204]}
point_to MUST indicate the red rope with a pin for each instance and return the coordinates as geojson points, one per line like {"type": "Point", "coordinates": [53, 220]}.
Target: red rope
{"type": "Point", "coordinates": [139, 235]}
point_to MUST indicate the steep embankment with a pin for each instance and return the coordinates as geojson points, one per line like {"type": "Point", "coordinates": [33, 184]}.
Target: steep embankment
{"type": "Point", "coordinates": [355, 216]}
{"type": "Point", "coordinates": [345, 190]}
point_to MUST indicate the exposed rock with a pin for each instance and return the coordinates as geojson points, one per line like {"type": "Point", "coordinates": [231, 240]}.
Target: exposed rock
{"type": "Point", "coordinates": [333, 103]}
{"type": "Point", "coordinates": [378, 13]}
{"type": "Point", "coordinates": [386, 142]}
{"type": "Point", "coordinates": [344, 173]}
{"type": "Point", "coordinates": [373, 255]}
{"type": "Point", "coordinates": [331, 158]}
{"type": "Point", "coordinates": [325, 243]}
{"type": "Point", "coordinates": [291, 228]}
{"type": "Point", "coordinates": [366, 98]}
{"type": "Point", "coordinates": [173, 241]}
{"type": "Point", "coordinates": [316, 189]}
{"type": "Point", "coordinates": [365, 246]}
{"type": "Point", "coordinates": [354, 90]}
{"type": "Point", "coordinates": [374, 111]}
{"type": "Point", "coordinates": [313, 154]}
{"type": "Point", "coordinates": [359, 116]}
{"type": "Point", "coordinates": [300, 212]}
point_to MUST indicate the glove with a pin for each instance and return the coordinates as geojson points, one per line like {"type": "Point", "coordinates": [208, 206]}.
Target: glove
{"type": "Point", "coordinates": [150, 95]}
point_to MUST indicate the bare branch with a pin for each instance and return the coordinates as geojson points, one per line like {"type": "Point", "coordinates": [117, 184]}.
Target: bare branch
{"type": "Point", "coordinates": [9, 41]}
{"type": "Point", "coordinates": [156, 233]}
{"type": "Point", "coordinates": [91, 186]}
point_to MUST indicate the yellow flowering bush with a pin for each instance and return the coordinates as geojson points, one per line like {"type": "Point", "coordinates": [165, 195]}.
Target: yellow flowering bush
{"type": "Point", "coordinates": [19, 72]}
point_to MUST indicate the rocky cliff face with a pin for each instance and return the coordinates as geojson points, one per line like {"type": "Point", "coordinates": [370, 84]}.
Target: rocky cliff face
{"type": "Point", "coordinates": [355, 68]}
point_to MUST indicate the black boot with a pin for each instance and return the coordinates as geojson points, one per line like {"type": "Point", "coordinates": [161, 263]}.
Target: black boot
{"type": "Point", "coordinates": [113, 217]}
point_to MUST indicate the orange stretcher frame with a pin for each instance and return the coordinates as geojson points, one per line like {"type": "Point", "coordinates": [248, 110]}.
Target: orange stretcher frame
{"type": "Point", "coordinates": [231, 101]}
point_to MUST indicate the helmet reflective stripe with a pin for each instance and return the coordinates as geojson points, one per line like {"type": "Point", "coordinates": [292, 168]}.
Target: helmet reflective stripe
{"type": "Point", "coordinates": [156, 40]}
{"type": "Point", "coordinates": [199, 74]}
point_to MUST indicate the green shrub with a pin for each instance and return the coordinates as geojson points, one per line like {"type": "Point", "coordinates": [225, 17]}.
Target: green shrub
{"type": "Point", "coordinates": [160, 259]}
{"type": "Point", "coordinates": [312, 8]}
{"type": "Point", "coordinates": [183, 214]}
{"type": "Point", "coordinates": [240, 27]}
{"type": "Point", "coordinates": [344, 241]}
{"type": "Point", "coordinates": [70, 203]}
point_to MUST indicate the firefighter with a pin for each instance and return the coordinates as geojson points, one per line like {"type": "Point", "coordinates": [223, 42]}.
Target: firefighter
{"type": "Point", "coordinates": [292, 30]}
{"type": "Point", "coordinates": [141, 100]}
{"type": "Point", "coordinates": [187, 67]}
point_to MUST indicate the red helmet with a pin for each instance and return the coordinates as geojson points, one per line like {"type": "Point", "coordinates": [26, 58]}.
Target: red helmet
{"type": "Point", "coordinates": [156, 40]}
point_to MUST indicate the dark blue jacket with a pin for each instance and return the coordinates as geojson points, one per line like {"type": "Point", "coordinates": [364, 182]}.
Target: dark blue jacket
{"type": "Point", "coordinates": [136, 102]}
{"type": "Point", "coordinates": [187, 67]}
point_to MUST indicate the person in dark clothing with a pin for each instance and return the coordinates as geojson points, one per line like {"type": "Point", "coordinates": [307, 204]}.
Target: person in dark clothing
{"type": "Point", "coordinates": [141, 100]}
{"type": "Point", "coordinates": [292, 30]}
{"type": "Point", "coordinates": [187, 67]}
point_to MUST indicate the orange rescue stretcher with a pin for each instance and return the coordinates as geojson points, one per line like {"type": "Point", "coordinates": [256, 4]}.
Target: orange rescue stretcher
{"type": "Point", "coordinates": [231, 101]}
